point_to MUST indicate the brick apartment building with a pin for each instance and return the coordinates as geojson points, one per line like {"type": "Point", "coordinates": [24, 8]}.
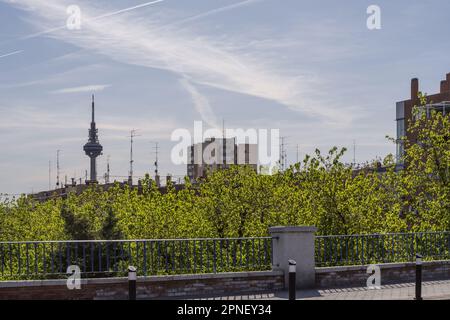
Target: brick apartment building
{"type": "Point", "coordinates": [439, 102]}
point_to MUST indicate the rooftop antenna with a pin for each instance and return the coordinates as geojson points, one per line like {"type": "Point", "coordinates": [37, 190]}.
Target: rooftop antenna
{"type": "Point", "coordinates": [354, 152]}
{"type": "Point", "coordinates": [57, 168]}
{"type": "Point", "coordinates": [49, 175]}
{"type": "Point", "coordinates": [156, 152]}
{"type": "Point", "coordinates": [285, 158]}
{"type": "Point", "coordinates": [107, 170]}
{"type": "Point", "coordinates": [156, 148]}
{"type": "Point", "coordinates": [133, 134]}
{"type": "Point", "coordinates": [283, 154]}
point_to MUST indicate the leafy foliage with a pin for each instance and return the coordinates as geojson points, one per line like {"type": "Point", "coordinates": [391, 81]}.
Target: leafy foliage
{"type": "Point", "coordinates": [320, 191]}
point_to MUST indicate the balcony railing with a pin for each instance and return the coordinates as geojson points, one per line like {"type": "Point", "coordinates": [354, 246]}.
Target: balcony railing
{"type": "Point", "coordinates": [100, 258]}
{"type": "Point", "coordinates": [380, 248]}
{"type": "Point", "coordinates": [50, 259]}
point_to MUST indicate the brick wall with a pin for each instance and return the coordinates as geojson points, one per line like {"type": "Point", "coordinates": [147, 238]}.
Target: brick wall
{"type": "Point", "coordinates": [391, 273]}
{"type": "Point", "coordinates": [159, 287]}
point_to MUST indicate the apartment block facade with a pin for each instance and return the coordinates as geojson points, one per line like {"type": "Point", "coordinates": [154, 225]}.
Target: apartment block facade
{"type": "Point", "coordinates": [219, 153]}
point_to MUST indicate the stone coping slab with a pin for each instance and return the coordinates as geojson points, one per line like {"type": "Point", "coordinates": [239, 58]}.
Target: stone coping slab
{"type": "Point", "coordinates": [183, 277]}
{"type": "Point", "coordinates": [292, 229]}
{"type": "Point", "coordinates": [381, 265]}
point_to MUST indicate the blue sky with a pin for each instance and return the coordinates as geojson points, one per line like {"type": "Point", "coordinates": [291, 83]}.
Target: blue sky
{"type": "Point", "coordinates": [309, 68]}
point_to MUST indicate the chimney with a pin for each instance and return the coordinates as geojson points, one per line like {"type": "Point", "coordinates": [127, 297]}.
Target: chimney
{"type": "Point", "coordinates": [444, 86]}
{"type": "Point", "coordinates": [447, 86]}
{"type": "Point", "coordinates": [414, 88]}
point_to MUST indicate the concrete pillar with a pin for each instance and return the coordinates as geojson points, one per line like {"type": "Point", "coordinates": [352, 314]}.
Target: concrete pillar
{"type": "Point", "coordinates": [296, 243]}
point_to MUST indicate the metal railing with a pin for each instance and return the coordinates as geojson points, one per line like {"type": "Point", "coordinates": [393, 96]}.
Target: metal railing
{"type": "Point", "coordinates": [98, 258]}
{"type": "Point", "coordinates": [380, 248]}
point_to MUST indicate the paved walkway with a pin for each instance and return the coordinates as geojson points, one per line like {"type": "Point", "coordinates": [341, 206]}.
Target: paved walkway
{"type": "Point", "coordinates": [432, 290]}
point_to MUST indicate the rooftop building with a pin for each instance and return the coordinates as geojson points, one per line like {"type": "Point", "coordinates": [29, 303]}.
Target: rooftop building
{"type": "Point", "coordinates": [404, 111]}
{"type": "Point", "coordinates": [215, 154]}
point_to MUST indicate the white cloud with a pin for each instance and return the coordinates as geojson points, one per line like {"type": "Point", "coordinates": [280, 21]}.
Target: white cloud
{"type": "Point", "coordinates": [138, 40]}
{"type": "Point", "coordinates": [201, 103]}
{"type": "Point", "coordinates": [89, 88]}
{"type": "Point", "coordinates": [111, 127]}
{"type": "Point", "coordinates": [56, 79]}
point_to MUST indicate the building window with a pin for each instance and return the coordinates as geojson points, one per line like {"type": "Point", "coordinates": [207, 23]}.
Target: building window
{"type": "Point", "coordinates": [400, 128]}
{"type": "Point", "coordinates": [442, 108]}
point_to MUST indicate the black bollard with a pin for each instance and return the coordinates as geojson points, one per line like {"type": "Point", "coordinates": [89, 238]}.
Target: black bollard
{"type": "Point", "coordinates": [131, 283]}
{"type": "Point", "coordinates": [292, 285]}
{"type": "Point", "coordinates": [418, 277]}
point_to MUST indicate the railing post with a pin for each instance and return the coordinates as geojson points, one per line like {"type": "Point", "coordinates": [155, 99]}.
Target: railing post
{"type": "Point", "coordinates": [294, 243]}
{"type": "Point", "coordinates": [418, 277]}
{"type": "Point", "coordinates": [292, 273]}
{"type": "Point", "coordinates": [132, 283]}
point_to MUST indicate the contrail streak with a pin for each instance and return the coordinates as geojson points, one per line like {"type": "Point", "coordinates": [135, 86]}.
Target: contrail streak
{"type": "Point", "coordinates": [95, 18]}
{"type": "Point", "coordinates": [211, 12]}
{"type": "Point", "coordinates": [11, 53]}
{"type": "Point", "coordinates": [128, 9]}
{"type": "Point", "coordinates": [193, 18]}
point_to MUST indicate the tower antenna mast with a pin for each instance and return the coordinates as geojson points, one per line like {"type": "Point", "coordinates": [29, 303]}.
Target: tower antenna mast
{"type": "Point", "coordinates": [93, 148]}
